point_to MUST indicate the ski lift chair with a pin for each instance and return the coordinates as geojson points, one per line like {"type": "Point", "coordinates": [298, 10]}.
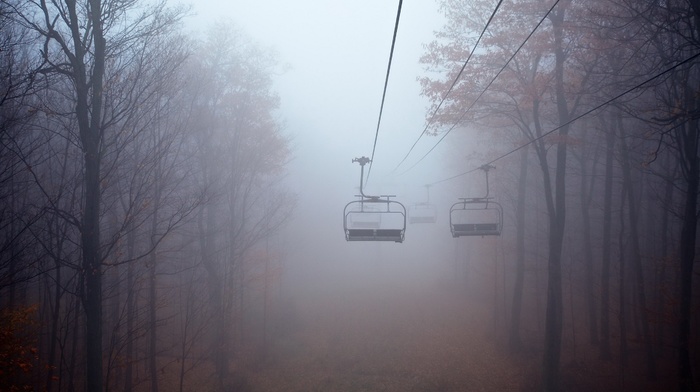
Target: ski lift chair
{"type": "Point", "coordinates": [476, 217]}
{"type": "Point", "coordinates": [374, 219]}
{"type": "Point", "coordinates": [422, 213]}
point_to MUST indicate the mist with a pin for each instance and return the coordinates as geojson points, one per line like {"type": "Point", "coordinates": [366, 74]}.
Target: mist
{"type": "Point", "coordinates": [443, 195]}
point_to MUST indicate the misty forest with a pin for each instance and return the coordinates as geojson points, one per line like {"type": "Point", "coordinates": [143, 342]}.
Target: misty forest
{"type": "Point", "coordinates": [185, 206]}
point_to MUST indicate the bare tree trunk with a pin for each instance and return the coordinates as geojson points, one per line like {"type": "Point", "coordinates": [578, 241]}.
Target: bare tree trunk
{"type": "Point", "coordinates": [130, 309]}
{"type": "Point", "coordinates": [636, 257]}
{"type": "Point", "coordinates": [74, 348]}
{"type": "Point", "coordinates": [587, 187]}
{"type": "Point", "coordinates": [152, 321]}
{"type": "Point", "coordinates": [12, 248]}
{"type": "Point", "coordinates": [152, 292]}
{"type": "Point", "coordinates": [54, 331]}
{"type": "Point", "coordinates": [622, 304]}
{"type": "Point", "coordinates": [665, 257]}
{"type": "Point", "coordinates": [60, 237]}
{"type": "Point", "coordinates": [266, 299]}
{"type": "Point", "coordinates": [189, 331]}
{"type": "Point", "coordinates": [605, 352]}
{"type": "Point", "coordinates": [691, 165]}
{"type": "Point", "coordinates": [553, 317]}
{"type": "Point", "coordinates": [92, 268]}
{"type": "Point", "coordinates": [89, 88]}
{"type": "Point", "coordinates": [557, 219]}
{"type": "Point", "coordinates": [514, 338]}
{"type": "Point", "coordinates": [214, 280]}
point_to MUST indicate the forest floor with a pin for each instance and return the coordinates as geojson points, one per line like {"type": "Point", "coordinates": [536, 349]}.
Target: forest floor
{"type": "Point", "coordinates": [401, 342]}
{"type": "Point", "coordinates": [396, 341]}
{"type": "Point", "coordinates": [412, 339]}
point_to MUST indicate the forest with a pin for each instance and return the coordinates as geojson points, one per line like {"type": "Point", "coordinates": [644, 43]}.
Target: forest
{"type": "Point", "coordinates": [139, 170]}
{"type": "Point", "coordinates": [600, 101]}
{"type": "Point", "coordinates": [150, 237]}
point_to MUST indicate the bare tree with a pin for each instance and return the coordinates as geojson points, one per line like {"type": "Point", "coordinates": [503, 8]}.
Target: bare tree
{"type": "Point", "coordinates": [240, 154]}
{"type": "Point", "coordinates": [82, 40]}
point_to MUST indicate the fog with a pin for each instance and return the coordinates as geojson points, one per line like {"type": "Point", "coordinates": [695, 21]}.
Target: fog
{"type": "Point", "coordinates": [335, 58]}
{"type": "Point", "coordinates": [186, 202]}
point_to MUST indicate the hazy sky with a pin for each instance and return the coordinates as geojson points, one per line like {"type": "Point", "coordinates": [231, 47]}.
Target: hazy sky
{"type": "Point", "coordinates": [337, 52]}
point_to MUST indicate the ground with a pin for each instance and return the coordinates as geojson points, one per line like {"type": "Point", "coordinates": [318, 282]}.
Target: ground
{"type": "Point", "coordinates": [427, 338]}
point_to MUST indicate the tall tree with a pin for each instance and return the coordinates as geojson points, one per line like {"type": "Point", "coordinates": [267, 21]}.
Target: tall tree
{"type": "Point", "coordinates": [82, 39]}
{"type": "Point", "coordinates": [516, 309]}
{"type": "Point", "coordinates": [542, 87]}
{"type": "Point", "coordinates": [240, 152]}
{"type": "Point", "coordinates": [671, 30]}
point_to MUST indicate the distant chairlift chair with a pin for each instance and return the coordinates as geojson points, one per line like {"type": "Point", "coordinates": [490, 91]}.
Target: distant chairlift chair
{"type": "Point", "coordinates": [423, 212]}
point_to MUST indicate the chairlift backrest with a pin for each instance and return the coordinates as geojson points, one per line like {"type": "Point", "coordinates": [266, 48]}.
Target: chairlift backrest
{"type": "Point", "coordinates": [422, 213]}
{"type": "Point", "coordinates": [365, 216]}
{"type": "Point", "coordinates": [476, 217]}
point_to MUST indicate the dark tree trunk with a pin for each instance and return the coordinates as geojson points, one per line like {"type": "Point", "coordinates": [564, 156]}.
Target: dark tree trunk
{"type": "Point", "coordinates": [514, 338]}
{"type": "Point", "coordinates": [152, 322]}
{"type": "Point", "coordinates": [622, 294]}
{"type": "Point", "coordinates": [661, 291]}
{"type": "Point", "coordinates": [636, 257]}
{"type": "Point", "coordinates": [605, 352]}
{"type": "Point", "coordinates": [152, 289]}
{"type": "Point", "coordinates": [55, 320]}
{"type": "Point", "coordinates": [130, 309]}
{"type": "Point", "coordinates": [587, 187]}
{"type": "Point", "coordinates": [92, 268]}
{"type": "Point", "coordinates": [89, 114]}
{"type": "Point", "coordinates": [557, 219]}
{"type": "Point", "coordinates": [215, 288]}
{"type": "Point", "coordinates": [691, 169]}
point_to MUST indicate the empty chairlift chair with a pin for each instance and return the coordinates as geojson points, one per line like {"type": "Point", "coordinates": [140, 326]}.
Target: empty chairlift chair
{"type": "Point", "coordinates": [476, 217]}
{"type": "Point", "coordinates": [374, 219]}
{"type": "Point", "coordinates": [423, 212]}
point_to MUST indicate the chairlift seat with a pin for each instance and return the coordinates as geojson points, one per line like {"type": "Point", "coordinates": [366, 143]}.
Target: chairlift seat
{"type": "Point", "coordinates": [395, 235]}
{"type": "Point", "coordinates": [474, 229]}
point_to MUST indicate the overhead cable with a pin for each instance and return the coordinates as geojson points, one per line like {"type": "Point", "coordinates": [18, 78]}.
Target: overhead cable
{"type": "Point", "coordinates": [386, 83]}
{"type": "Point", "coordinates": [464, 113]}
{"type": "Point", "coordinates": [609, 101]}
{"type": "Point", "coordinates": [454, 82]}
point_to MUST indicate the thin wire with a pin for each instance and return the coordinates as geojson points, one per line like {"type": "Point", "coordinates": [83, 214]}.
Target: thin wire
{"type": "Point", "coordinates": [609, 101]}
{"type": "Point", "coordinates": [464, 113]}
{"type": "Point", "coordinates": [386, 83]}
{"type": "Point", "coordinates": [454, 82]}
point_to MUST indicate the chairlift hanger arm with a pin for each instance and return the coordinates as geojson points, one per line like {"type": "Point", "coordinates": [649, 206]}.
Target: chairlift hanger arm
{"type": "Point", "coordinates": [486, 169]}
{"type": "Point", "coordinates": [363, 161]}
